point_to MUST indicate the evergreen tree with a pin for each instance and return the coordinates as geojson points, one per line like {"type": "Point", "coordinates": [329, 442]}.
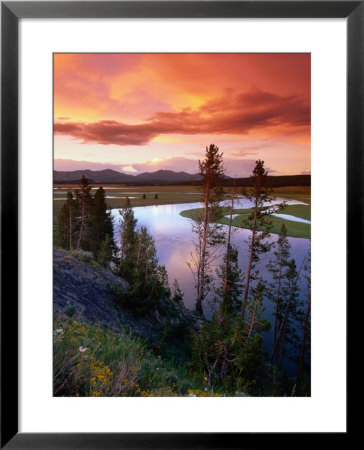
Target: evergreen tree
{"type": "Point", "coordinates": [231, 286]}
{"type": "Point", "coordinates": [229, 272]}
{"type": "Point", "coordinates": [177, 293]}
{"type": "Point", "coordinates": [101, 225]}
{"type": "Point", "coordinates": [68, 223]}
{"type": "Point", "coordinates": [208, 234]}
{"type": "Point", "coordinates": [255, 310]}
{"type": "Point", "coordinates": [84, 199]}
{"type": "Point", "coordinates": [258, 222]}
{"type": "Point", "coordinates": [289, 310]}
{"type": "Point", "coordinates": [305, 326]}
{"type": "Point", "coordinates": [230, 353]}
{"type": "Point", "coordinates": [149, 280]}
{"type": "Point", "coordinates": [278, 267]}
{"type": "Point", "coordinates": [105, 254]}
{"type": "Point", "coordinates": [127, 227]}
{"type": "Point", "coordinates": [85, 222]}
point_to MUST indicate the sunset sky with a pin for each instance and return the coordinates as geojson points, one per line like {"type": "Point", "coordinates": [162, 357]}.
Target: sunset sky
{"type": "Point", "coordinates": [144, 112]}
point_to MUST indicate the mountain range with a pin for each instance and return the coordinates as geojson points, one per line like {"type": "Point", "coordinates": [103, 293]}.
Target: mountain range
{"type": "Point", "coordinates": [113, 176]}
{"type": "Point", "coordinates": [164, 177]}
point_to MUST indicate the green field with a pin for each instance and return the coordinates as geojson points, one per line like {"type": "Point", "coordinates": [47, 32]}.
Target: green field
{"type": "Point", "coordinates": [294, 229]}
{"type": "Point", "coordinates": [188, 194]}
{"type": "Point", "coordinates": [301, 211]}
{"type": "Point", "coordinates": [167, 195]}
{"type": "Point", "coordinates": [301, 193]}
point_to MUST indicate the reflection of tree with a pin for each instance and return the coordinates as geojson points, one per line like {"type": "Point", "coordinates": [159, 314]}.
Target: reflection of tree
{"type": "Point", "coordinates": [258, 222]}
{"type": "Point", "coordinates": [229, 272]}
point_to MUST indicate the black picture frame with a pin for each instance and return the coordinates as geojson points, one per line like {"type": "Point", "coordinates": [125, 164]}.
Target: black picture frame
{"type": "Point", "coordinates": [11, 12]}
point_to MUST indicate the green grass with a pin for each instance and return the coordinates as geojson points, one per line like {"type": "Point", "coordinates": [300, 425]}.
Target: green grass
{"type": "Point", "coordinates": [301, 211]}
{"type": "Point", "coordinates": [164, 198]}
{"type": "Point", "coordinates": [301, 193]}
{"type": "Point", "coordinates": [89, 361]}
{"type": "Point", "coordinates": [183, 194]}
{"type": "Point", "coordinates": [168, 195]}
{"type": "Point", "coordinates": [294, 229]}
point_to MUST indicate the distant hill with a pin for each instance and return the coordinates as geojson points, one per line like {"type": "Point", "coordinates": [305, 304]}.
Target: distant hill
{"type": "Point", "coordinates": [110, 176]}
{"type": "Point", "coordinates": [167, 175]}
{"type": "Point", "coordinates": [275, 181]}
{"type": "Point", "coordinates": [164, 177]}
{"type": "Point", "coordinates": [94, 176]}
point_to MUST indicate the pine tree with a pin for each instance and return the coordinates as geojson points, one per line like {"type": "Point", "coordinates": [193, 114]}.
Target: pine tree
{"type": "Point", "coordinates": [83, 197]}
{"type": "Point", "coordinates": [231, 286]}
{"type": "Point", "coordinates": [290, 308]}
{"type": "Point", "coordinates": [255, 310]}
{"type": "Point", "coordinates": [258, 222]}
{"type": "Point", "coordinates": [230, 352]}
{"type": "Point", "coordinates": [208, 234]}
{"type": "Point", "coordinates": [278, 266]}
{"type": "Point", "coordinates": [305, 326]}
{"type": "Point", "coordinates": [177, 293]}
{"type": "Point", "coordinates": [68, 223]}
{"type": "Point", "coordinates": [101, 225]}
{"type": "Point", "coordinates": [229, 272]}
{"type": "Point", "coordinates": [105, 254]}
{"type": "Point", "coordinates": [127, 227]}
{"type": "Point", "coordinates": [149, 280]}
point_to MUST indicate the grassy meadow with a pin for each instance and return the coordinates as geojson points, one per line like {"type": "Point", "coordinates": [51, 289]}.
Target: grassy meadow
{"type": "Point", "coordinates": [294, 229]}
{"type": "Point", "coordinates": [167, 195]}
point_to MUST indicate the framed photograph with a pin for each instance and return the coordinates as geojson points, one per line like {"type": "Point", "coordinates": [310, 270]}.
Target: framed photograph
{"type": "Point", "coordinates": [175, 178]}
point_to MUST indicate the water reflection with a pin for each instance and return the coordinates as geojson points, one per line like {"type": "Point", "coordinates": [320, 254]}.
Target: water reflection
{"type": "Point", "coordinates": [292, 218]}
{"type": "Point", "coordinates": [174, 242]}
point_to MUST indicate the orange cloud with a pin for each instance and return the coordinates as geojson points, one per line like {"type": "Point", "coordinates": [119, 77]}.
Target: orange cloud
{"type": "Point", "coordinates": [234, 114]}
{"type": "Point", "coordinates": [121, 86]}
{"type": "Point", "coordinates": [180, 101]}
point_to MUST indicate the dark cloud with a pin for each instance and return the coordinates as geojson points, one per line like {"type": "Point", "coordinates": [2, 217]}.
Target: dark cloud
{"type": "Point", "coordinates": [232, 114]}
{"type": "Point", "coordinates": [106, 132]}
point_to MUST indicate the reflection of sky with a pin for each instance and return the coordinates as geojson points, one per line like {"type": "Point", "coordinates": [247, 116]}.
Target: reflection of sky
{"type": "Point", "coordinates": [174, 242]}
{"type": "Point", "coordinates": [292, 218]}
{"type": "Point", "coordinates": [106, 196]}
{"type": "Point", "coordinates": [233, 216]}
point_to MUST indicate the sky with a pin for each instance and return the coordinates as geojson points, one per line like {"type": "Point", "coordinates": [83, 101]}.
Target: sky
{"type": "Point", "coordinates": [144, 112]}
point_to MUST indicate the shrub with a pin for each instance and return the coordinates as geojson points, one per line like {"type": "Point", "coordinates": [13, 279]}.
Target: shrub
{"type": "Point", "coordinates": [227, 357]}
{"type": "Point", "coordinates": [93, 362]}
{"type": "Point", "coordinates": [82, 255]}
{"type": "Point", "coordinates": [70, 310]}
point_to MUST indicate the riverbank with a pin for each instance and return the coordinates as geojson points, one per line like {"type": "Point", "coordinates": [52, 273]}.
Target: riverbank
{"type": "Point", "coordinates": [294, 228]}
{"type": "Point", "coordinates": [165, 195]}
{"type": "Point", "coordinates": [102, 349]}
{"type": "Point", "coordinates": [154, 196]}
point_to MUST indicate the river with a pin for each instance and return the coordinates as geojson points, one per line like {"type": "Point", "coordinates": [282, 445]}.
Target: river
{"type": "Point", "coordinates": [174, 242]}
